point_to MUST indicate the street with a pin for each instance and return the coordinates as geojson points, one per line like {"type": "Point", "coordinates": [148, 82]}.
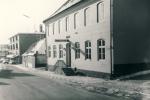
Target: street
{"type": "Point", "coordinates": [16, 84]}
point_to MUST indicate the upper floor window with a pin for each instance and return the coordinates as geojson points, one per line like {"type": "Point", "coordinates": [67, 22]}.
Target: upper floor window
{"type": "Point", "coordinates": [67, 23]}
{"type": "Point", "coordinates": [59, 26]}
{"type": "Point", "coordinates": [101, 49]}
{"type": "Point", "coordinates": [86, 16]}
{"type": "Point", "coordinates": [87, 50]}
{"type": "Point", "coordinates": [49, 51]}
{"type": "Point", "coordinates": [13, 46]}
{"type": "Point", "coordinates": [100, 11]}
{"type": "Point", "coordinates": [54, 51]}
{"type": "Point", "coordinates": [16, 46]}
{"type": "Point", "coordinates": [53, 28]}
{"type": "Point", "coordinates": [75, 20]}
{"type": "Point", "coordinates": [13, 39]}
{"type": "Point", "coordinates": [77, 50]}
{"type": "Point", "coordinates": [16, 38]}
{"type": "Point", "coordinates": [60, 51]}
{"type": "Point", "coordinates": [47, 30]}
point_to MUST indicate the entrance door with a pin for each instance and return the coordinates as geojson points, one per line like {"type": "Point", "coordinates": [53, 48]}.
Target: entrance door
{"type": "Point", "coordinates": [68, 55]}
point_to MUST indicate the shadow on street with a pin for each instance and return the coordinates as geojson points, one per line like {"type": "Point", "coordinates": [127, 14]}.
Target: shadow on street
{"type": "Point", "coordinates": [2, 83]}
{"type": "Point", "coordinates": [145, 77]}
{"type": "Point", "coordinates": [9, 74]}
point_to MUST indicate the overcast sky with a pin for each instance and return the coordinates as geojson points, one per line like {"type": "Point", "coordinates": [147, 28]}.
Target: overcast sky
{"type": "Point", "coordinates": [13, 15]}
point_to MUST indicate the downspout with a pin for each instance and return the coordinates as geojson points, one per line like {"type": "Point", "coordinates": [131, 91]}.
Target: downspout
{"type": "Point", "coordinates": [111, 38]}
{"type": "Point", "coordinates": [46, 51]}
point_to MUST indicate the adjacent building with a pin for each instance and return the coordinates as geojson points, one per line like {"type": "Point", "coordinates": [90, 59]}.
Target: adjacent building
{"type": "Point", "coordinates": [101, 38]}
{"type": "Point", "coordinates": [35, 56]}
{"type": "Point", "coordinates": [20, 42]}
{"type": "Point", "coordinates": [4, 50]}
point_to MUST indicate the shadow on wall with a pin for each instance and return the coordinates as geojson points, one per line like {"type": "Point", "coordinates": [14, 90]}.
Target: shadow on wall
{"type": "Point", "coordinates": [74, 48]}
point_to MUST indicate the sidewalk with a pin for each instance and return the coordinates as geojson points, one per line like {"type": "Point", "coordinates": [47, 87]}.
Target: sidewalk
{"type": "Point", "coordinates": [130, 89]}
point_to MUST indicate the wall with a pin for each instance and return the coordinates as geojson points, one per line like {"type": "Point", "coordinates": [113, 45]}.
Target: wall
{"type": "Point", "coordinates": [40, 60]}
{"type": "Point", "coordinates": [29, 61]}
{"type": "Point", "coordinates": [131, 20]}
{"type": "Point", "coordinates": [93, 31]}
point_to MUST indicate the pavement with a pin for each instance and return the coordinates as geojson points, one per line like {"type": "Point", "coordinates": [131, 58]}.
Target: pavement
{"type": "Point", "coordinates": [19, 83]}
{"type": "Point", "coordinates": [135, 87]}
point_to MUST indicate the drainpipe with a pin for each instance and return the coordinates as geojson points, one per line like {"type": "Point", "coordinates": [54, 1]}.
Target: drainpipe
{"type": "Point", "coordinates": [46, 46]}
{"type": "Point", "coordinates": [111, 38]}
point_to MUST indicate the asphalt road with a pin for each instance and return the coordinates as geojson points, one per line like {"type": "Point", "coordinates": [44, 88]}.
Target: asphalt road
{"type": "Point", "coordinates": [16, 84]}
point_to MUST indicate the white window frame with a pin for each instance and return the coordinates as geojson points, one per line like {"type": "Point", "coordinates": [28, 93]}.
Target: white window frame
{"type": "Point", "coordinates": [88, 49]}
{"type": "Point", "coordinates": [101, 49]}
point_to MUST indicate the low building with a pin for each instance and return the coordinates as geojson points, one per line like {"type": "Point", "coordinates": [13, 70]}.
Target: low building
{"type": "Point", "coordinates": [35, 56]}
{"type": "Point", "coordinates": [20, 42]}
{"type": "Point", "coordinates": [101, 38]}
{"type": "Point", "coordinates": [4, 50]}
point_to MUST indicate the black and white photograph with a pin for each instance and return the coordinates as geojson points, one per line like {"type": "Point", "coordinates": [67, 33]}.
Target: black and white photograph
{"type": "Point", "coordinates": [75, 50]}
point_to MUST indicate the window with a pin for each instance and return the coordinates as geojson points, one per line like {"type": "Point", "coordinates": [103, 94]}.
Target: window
{"type": "Point", "coordinates": [16, 46]}
{"type": "Point", "coordinates": [60, 51]}
{"type": "Point", "coordinates": [67, 23]}
{"type": "Point", "coordinates": [13, 39]}
{"type": "Point", "coordinates": [77, 50]}
{"type": "Point", "coordinates": [54, 51]}
{"type": "Point", "coordinates": [16, 38]}
{"type": "Point", "coordinates": [75, 20]}
{"type": "Point", "coordinates": [86, 16]}
{"type": "Point", "coordinates": [101, 49]}
{"type": "Point", "coordinates": [100, 11]}
{"type": "Point", "coordinates": [87, 50]}
{"type": "Point", "coordinates": [13, 46]}
{"type": "Point", "coordinates": [49, 51]}
{"type": "Point", "coordinates": [53, 28]}
{"type": "Point", "coordinates": [47, 30]}
{"type": "Point", "coordinates": [59, 26]}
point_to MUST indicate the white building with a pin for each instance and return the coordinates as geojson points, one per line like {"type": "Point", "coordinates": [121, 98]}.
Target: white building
{"type": "Point", "coordinates": [81, 33]}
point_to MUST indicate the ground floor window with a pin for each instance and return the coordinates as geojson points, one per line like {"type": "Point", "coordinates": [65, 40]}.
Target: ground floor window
{"type": "Point", "coordinates": [77, 50]}
{"type": "Point", "coordinates": [54, 51]}
{"type": "Point", "coordinates": [49, 51]}
{"type": "Point", "coordinates": [87, 50]}
{"type": "Point", "coordinates": [60, 51]}
{"type": "Point", "coordinates": [101, 49]}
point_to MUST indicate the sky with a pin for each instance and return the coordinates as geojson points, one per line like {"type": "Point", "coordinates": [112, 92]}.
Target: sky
{"type": "Point", "coordinates": [24, 16]}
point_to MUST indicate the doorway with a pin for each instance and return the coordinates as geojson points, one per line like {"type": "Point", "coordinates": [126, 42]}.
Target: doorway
{"type": "Point", "coordinates": [68, 54]}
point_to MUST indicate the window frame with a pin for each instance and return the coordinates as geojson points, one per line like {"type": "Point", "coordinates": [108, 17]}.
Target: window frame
{"type": "Point", "coordinates": [101, 49]}
{"type": "Point", "coordinates": [88, 50]}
